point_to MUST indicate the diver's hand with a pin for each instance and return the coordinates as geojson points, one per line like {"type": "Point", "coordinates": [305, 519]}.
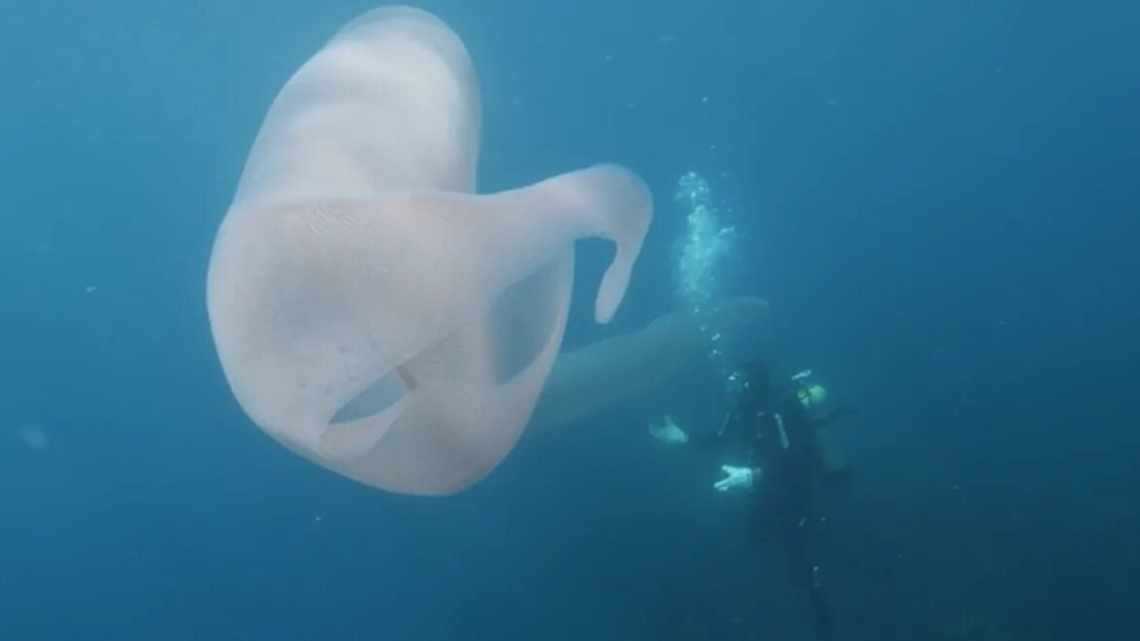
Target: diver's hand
{"type": "Point", "coordinates": [736, 478]}
{"type": "Point", "coordinates": [668, 432]}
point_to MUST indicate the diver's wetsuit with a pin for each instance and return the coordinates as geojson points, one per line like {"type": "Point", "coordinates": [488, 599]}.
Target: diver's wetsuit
{"type": "Point", "coordinates": [787, 451]}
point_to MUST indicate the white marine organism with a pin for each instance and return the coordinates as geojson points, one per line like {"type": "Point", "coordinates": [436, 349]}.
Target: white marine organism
{"type": "Point", "coordinates": [371, 311]}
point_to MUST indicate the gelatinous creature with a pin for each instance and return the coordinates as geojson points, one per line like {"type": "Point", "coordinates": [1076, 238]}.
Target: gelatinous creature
{"type": "Point", "coordinates": [370, 311]}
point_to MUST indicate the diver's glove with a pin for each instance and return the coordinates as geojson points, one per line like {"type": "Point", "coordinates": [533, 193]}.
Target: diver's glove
{"type": "Point", "coordinates": [668, 432]}
{"type": "Point", "coordinates": [736, 478]}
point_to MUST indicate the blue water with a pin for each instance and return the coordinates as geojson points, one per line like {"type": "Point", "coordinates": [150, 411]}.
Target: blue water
{"type": "Point", "coordinates": [938, 199]}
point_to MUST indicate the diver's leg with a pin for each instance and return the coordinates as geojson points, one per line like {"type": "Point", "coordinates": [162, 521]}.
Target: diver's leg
{"type": "Point", "coordinates": [822, 616]}
{"type": "Point", "coordinates": [802, 533]}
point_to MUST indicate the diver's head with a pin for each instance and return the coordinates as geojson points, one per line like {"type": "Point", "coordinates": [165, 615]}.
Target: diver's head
{"type": "Point", "coordinates": [809, 392]}
{"type": "Point", "coordinates": [812, 395]}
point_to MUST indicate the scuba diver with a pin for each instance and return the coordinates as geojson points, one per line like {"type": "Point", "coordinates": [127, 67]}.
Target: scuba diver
{"type": "Point", "coordinates": [783, 455]}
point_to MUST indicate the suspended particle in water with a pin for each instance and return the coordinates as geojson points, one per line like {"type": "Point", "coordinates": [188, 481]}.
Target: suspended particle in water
{"type": "Point", "coordinates": [33, 437]}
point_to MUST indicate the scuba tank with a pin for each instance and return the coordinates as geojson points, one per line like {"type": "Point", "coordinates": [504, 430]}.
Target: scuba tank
{"type": "Point", "coordinates": [813, 398]}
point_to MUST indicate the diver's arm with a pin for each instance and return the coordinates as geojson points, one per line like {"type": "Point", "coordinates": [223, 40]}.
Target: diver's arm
{"type": "Point", "coordinates": [671, 348]}
{"type": "Point", "coordinates": [726, 434]}
{"type": "Point", "coordinates": [708, 441]}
